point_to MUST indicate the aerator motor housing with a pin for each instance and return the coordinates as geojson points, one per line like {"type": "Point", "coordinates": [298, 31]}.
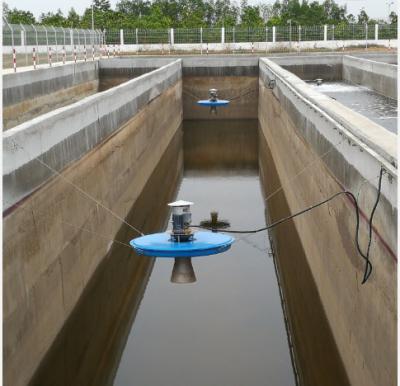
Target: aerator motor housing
{"type": "Point", "coordinates": [181, 220]}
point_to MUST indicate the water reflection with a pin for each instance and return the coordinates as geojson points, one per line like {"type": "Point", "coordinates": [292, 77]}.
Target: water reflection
{"type": "Point", "coordinates": [228, 327]}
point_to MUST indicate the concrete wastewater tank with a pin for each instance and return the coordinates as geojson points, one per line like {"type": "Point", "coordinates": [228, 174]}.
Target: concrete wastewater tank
{"type": "Point", "coordinates": [275, 149]}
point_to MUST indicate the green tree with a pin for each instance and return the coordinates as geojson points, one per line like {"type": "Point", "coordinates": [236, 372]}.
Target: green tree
{"type": "Point", "coordinates": [250, 16]}
{"type": "Point", "coordinates": [55, 19]}
{"type": "Point", "coordinates": [73, 19]}
{"type": "Point", "coordinates": [393, 17]}
{"type": "Point", "coordinates": [362, 17]}
{"type": "Point", "coordinates": [102, 5]}
{"type": "Point", "coordinates": [350, 18]}
{"type": "Point", "coordinates": [16, 16]}
{"type": "Point", "coordinates": [136, 8]}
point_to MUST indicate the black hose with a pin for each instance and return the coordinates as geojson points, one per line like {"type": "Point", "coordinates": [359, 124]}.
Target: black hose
{"type": "Point", "coordinates": [365, 256]}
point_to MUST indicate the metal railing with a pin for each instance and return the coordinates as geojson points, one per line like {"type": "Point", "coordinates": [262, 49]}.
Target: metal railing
{"type": "Point", "coordinates": [38, 44]}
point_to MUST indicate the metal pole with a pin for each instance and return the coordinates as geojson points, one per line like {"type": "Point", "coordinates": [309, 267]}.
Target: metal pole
{"type": "Point", "coordinates": [92, 19]}
{"type": "Point", "coordinates": [233, 38]}
{"type": "Point", "coordinates": [34, 58]}
{"type": "Point", "coordinates": [299, 36]}
{"type": "Point", "coordinates": [366, 36]}
{"type": "Point", "coordinates": [14, 60]}
{"type": "Point", "coordinates": [137, 42]}
{"type": "Point", "coordinates": [64, 54]}
{"type": "Point", "coordinates": [37, 43]}
{"type": "Point", "coordinates": [47, 44]}
{"type": "Point", "coordinates": [25, 43]}
{"type": "Point", "coordinates": [79, 42]}
{"type": "Point", "coordinates": [55, 37]}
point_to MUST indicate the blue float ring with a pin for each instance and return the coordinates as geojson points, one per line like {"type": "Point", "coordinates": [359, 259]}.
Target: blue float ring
{"type": "Point", "coordinates": [203, 244]}
{"type": "Point", "coordinates": [217, 103]}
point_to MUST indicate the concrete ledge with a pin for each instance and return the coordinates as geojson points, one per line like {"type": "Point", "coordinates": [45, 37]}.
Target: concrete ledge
{"type": "Point", "coordinates": [64, 135]}
{"type": "Point", "coordinates": [380, 77]}
{"type": "Point", "coordinates": [130, 67]}
{"type": "Point", "coordinates": [220, 66]}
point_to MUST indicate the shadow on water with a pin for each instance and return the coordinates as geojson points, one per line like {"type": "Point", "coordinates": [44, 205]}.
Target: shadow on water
{"type": "Point", "coordinates": [87, 350]}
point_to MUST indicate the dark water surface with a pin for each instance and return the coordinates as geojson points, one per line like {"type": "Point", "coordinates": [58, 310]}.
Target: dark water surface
{"type": "Point", "coordinates": [380, 109]}
{"type": "Point", "coordinates": [132, 326]}
{"type": "Point", "coordinates": [228, 327]}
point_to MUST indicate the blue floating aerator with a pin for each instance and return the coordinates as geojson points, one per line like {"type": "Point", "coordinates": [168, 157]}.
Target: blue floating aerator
{"type": "Point", "coordinates": [201, 244]}
{"type": "Point", "coordinates": [217, 103]}
{"type": "Point", "coordinates": [213, 102]}
{"type": "Point", "coordinates": [182, 244]}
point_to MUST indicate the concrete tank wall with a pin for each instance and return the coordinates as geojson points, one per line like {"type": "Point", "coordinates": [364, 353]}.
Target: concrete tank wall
{"type": "Point", "coordinates": [118, 70]}
{"type": "Point", "coordinates": [28, 94]}
{"type": "Point", "coordinates": [235, 78]}
{"type": "Point", "coordinates": [378, 76]}
{"type": "Point", "coordinates": [328, 154]}
{"type": "Point", "coordinates": [108, 146]}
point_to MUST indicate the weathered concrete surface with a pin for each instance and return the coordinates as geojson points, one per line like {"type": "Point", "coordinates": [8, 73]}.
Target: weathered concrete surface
{"type": "Point", "coordinates": [378, 57]}
{"type": "Point", "coordinates": [325, 156]}
{"type": "Point", "coordinates": [316, 354]}
{"type": "Point", "coordinates": [378, 76]}
{"type": "Point", "coordinates": [48, 259]}
{"type": "Point", "coordinates": [88, 349]}
{"type": "Point", "coordinates": [30, 93]}
{"type": "Point", "coordinates": [63, 136]}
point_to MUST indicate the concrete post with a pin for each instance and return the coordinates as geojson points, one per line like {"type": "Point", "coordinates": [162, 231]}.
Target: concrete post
{"type": "Point", "coordinates": [376, 32]}
{"type": "Point", "coordinates": [121, 37]}
{"type": "Point", "coordinates": [71, 34]}
{"type": "Point", "coordinates": [172, 37]}
{"type": "Point", "coordinates": [325, 32]}
{"type": "Point", "coordinates": [22, 38]}
{"type": "Point", "coordinates": [222, 35]}
{"type": "Point", "coordinates": [273, 34]}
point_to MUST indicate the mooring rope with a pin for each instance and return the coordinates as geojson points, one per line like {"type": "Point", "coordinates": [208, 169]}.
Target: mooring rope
{"type": "Point", "coordinates": [85, 194]}
{"type": "Point", "coordinates": [36, 212]}
{"type": "Point", "coordinates": [365, 256]}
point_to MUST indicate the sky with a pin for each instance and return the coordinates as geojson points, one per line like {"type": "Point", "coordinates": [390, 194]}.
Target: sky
{"type": "Point", "coordinates": [374, 8]}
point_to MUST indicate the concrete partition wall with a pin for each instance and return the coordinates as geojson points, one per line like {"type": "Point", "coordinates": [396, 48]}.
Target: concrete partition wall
{"type": "Point", "coordinates": [311, 67]}
{"type": "Point", "coordinates": [28, 94]}
{"type": "Point", "coordinates": [318, 148]}
{"type": "Point", "coordinates": [378, 76]}
{"type": "Point", "coordinates": [107, 145]}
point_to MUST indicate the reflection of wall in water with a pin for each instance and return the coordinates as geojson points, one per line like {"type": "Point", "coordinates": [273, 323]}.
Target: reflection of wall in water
{"type": "Point", "coordinates": [88, 349]}
{"type": "Point", "coordinates": [221, 144]}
